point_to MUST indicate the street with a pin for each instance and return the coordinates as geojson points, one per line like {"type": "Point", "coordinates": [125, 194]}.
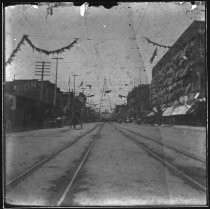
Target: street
{"type": "Point", "coordinates": [116, 171]}
{"type": "Point", "coordinates": [105, 104]}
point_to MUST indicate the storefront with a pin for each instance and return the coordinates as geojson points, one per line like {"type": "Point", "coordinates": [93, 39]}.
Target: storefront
{"type": "Point", "coordinates": [180, 75]}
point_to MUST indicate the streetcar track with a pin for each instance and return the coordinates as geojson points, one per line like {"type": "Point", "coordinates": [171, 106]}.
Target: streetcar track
{"type": "Point", "coordinates": [38, 164]}
{"type": "Point", "coordinates": [168, 164]}
{"type": "Point", "coordinates": [87, 152]}
{"type": "Point", "coordinates": [166, 145]}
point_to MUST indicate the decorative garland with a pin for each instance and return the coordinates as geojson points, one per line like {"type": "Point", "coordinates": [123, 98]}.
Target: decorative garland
{"type": "Point", "coordinates": [25, 38]}
{"type": "Point", "coordinates": [156, 44]}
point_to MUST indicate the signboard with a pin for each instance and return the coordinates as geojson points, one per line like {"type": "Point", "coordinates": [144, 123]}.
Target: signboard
{"type": "Point", "coordinates": [26, 86]}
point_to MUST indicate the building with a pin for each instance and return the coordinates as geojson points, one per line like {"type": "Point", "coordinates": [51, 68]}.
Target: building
{"type": "Point", "coordinates": [25, 105]}
{"type": "Point", "coordinates": [105, 115]}
{"type": "Point", "coordinates": [79, 108]}
{"type": "Point", "coordinates": [138, 101]}
{"type": "Point", "coordinates": [120, 113]}
{"type": "Point", "coordinates": [179, 77]}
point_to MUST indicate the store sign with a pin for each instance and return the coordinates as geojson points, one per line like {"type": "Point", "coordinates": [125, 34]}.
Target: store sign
{"type": "Point", "coordinates": [26, 86]}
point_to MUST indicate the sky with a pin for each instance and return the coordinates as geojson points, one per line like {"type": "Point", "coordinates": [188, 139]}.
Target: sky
{"type": "Point", "coordinates": [105, 49]}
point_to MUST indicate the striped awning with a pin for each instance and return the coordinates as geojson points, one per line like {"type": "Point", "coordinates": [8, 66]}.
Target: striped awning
{"type": "Point", "coordinates": [197, 107]}
{"type": "Point", "coordinates": [181, 110]}
{"type": "Point", "coordinates": [168, 111]}
{"type": "Point", "coordinates": [151, 114]}
{"type": "Point", "coordinates": [200, 96]}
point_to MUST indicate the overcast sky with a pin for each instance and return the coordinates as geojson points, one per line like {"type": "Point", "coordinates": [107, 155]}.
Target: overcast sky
{"type": "Point", "coordinates": [104, 48]}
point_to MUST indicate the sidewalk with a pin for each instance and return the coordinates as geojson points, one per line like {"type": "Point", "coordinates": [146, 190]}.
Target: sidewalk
{"type": "Point", "coordinates": [196, 128]}
{"type": "Point", "coordinates": [187, 138]}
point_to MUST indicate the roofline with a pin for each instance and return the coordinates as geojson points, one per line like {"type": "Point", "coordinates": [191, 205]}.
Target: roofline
{"type": "Point", "coordinates": [177, 41]}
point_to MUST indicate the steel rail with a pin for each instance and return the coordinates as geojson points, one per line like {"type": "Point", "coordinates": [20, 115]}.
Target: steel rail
{"type": "Point", "coordinates": [193, 181]}
{"type": "Point", "coordinates": [63, 196]}
{"type": "Point", "coordinates": [190, 155]}
{"type": "Point", "coordinates": [50, 156]}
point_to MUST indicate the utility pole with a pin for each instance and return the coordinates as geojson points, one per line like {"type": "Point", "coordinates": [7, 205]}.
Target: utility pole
{"type": "Point", "coordinates": [42, 68]}
{"type": "Point", "coordinates": [83, 108]}
{"type": "Point", "coordinates": [102, 95]}
{"type": "Point", "coordinates": [69, 92]}
{"type": "Point", "coordinates": [73, 108]}
{"type": "Point", "coordinates": [110, 103]}
{"type": "Point", "coordinates": [56, 75]}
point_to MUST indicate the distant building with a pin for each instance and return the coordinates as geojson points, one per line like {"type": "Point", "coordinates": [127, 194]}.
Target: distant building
{"type": "Point", "coordinates": [67, 98]}
{"type": "Point", "coordinates": [28, 106]}
{"type": "Point", "coordinates": [138, 101]}
{"type": "Point", "coordinates": [120, 112]}
{"type": "Point", "coordinates": [180, 74]}
{"type": "Point", "coordinates": [105, 115]}
{"type": "Point", "coordinates": [79, 105]}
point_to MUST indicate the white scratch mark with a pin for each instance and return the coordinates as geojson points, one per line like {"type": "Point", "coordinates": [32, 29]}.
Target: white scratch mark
{"type": "Point", "coordinates": [35, 7]}
{"type": "Point", "coordinates": [83, 9]}
{"type": "Point", "coordinates": [193, 7]}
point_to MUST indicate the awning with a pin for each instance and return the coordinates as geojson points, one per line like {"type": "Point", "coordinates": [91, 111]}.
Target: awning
{"type": "Point", "coordinates": [200, 96]}
{"type": "Point", "coordinates": [151, 114]}
{"type": "Point", "coordinates": [168, 111]}
{"type": "Point", "coordinates": [202, 100]}
{"type": "Point", "coordinates": [197, 107]}
{"type": "Point", "coordinates": [181, 110]}
{"type": "Point", "coordinates": [154, 109]}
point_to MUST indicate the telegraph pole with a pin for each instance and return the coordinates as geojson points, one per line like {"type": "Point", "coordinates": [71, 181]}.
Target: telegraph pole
{"type": "Point", "coordinates": [102, 94]}
{"type": "Point", "coordinates": [69, 92]}
{"type": "Point", "coordinates": [56, 75]}
{"type": "Point", "coordinates": [42, 68]}
{"type": "Point", "coordinates": [73, 108]}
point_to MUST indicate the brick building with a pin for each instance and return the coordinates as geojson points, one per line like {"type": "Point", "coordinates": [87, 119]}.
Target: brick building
{"type": "Point", "coordinates": [23, 103]}
{"type": "Point", "coordinates": [179, 77]}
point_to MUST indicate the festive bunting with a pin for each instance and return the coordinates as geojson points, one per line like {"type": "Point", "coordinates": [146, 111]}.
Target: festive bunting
{"type": "Point", "coordinates": [153, 55]}
{"type": "Point", "coordinates": [108, 91]}
{"type": "Point", "coordinates": [89, 86]}
{"type": "Point", "coordinates": [156, 44]}
{"type": "Point", "coordinates": [91, 95]}
{"type": "Point", "coordinates": [121, 96]}
{"type": "Point", "coordinates": [25, 38]}
{"type": "Point", "coordinates": [81, 84]}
